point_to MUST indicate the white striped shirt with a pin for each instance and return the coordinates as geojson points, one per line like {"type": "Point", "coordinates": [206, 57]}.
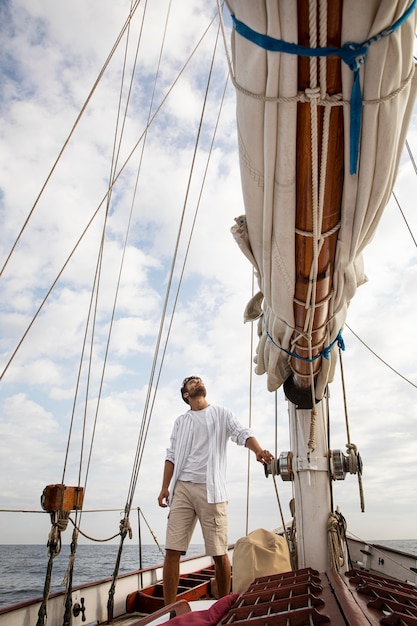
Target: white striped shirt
{"type": "Point", "coordinates": [222, 424]}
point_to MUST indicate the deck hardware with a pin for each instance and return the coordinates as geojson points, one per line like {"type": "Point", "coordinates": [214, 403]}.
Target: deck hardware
{"type": "Point", "coordinates": [62, 498]}
{"type": "Point", "coordinates": [79, 608]}
{"type": "Point", "coordinates": [341, 464]}
{"type": "Point", "coordinates": [281, 466]}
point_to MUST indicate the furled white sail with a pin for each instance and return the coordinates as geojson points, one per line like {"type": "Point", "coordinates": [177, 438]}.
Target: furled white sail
{"type": "Point", "coordinates": [267, 100]}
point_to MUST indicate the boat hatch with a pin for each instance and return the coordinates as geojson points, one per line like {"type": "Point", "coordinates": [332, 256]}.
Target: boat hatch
{"type": "Point", "coordinates": [307, 597]}
{"type": "Point", "coordinates": [191, 587]}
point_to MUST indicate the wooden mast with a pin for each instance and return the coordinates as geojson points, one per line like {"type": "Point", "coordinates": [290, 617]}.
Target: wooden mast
{"type": "Point", "coordinates": [297, 388]}
{"type": "Point", "coordinates": [314, 283]}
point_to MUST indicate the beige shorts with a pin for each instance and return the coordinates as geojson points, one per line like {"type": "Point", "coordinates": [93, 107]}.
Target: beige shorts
{"type": "Point", "coordinates": [189, 503]}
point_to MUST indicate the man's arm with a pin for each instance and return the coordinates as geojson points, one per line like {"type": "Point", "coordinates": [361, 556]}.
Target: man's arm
{"type": "Point", "coordinates": [263, 456]}
{"type": "Point", "coordinates": [164, 494]}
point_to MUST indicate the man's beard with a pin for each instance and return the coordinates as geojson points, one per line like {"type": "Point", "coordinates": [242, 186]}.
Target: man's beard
{"type": "Point", "coordinates": [198, 391]}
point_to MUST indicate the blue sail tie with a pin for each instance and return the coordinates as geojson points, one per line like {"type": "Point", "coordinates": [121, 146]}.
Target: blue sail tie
{"type": "Point", "coordinates": [351, 53]}
{"type": "Point", "coordinates": [324, 353]}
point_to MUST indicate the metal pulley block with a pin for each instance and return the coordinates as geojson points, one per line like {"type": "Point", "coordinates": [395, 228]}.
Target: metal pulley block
{"type": "Point", "coordinates": [281, 466]}
{"type": "Point", "coordinates": [342, 464]}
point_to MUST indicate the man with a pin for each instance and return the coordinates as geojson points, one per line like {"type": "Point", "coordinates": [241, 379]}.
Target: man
{"type": "Point", "coordinates": [195, 467]}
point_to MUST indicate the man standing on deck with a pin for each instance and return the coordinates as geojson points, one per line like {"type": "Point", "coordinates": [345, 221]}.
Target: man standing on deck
{"type": "Point", "coordinates": [195, 466]}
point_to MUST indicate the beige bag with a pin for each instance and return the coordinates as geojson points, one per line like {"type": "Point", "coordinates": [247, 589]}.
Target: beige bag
{"type": "Point", "coordinates": [260, 553]}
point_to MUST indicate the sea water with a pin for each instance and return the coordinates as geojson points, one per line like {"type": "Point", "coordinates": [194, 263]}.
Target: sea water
{"type": "Point", "coordinates": [23, 567]}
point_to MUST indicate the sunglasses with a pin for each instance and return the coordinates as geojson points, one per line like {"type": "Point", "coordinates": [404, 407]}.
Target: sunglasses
{"type": "Point", "coordinates": [187, 380]}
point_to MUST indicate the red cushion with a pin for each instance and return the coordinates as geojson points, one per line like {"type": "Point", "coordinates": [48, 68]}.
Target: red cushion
{"type": "Point", "coordinates": [209, 617]}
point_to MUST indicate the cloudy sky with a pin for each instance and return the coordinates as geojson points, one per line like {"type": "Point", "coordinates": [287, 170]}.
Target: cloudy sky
{"type": "Point", "coordinates": [52, 53]}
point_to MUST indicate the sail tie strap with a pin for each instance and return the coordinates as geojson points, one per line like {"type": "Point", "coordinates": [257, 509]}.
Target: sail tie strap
{"type": "Point", "coordinates": [351, 53]}
{"type": "Point", "coordinates": [325, 352]}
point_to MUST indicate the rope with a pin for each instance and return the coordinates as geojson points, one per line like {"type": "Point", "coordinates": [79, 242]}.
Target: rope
{"type": "Point", "coordinates": [92, 317]}
{"type": "Point", "coordinates": [96, 287]}
{"type": "Point", "coordinates": [411, 156]}
{"type": "Point", "coordinates": [103, 200]}
{"type": "Point", "coordinates": [308, 233]}
{"type": "Point", "coordinates": [151, 531]}
{"type": "Point", "coordinates": [325, 352]}
{"type": "Point", "coordinates": [281, 513]}
{"type": "Point", "coordinates": [336, 540]}
{"type": "Point", "coordinates": [250, 409]}
{"type": "Point", "coordinates": [81, 113]}
{"type": "Point", "coordinates": [407, 380]}
{"type": "Point", "coordinates": [149, 402]}
{"type": "Point", "coordinates": [317, 210]}
{"type": "Point", "coordinates": [350, 447]}
{"type": "Point", "coordinates": [59, 522]}
{"type": "Point", "coordinates": [402, 212]}
{"type": "Point", "coordinates": [292, 536]}
{"type": "Point", "coordinates": [68, 581]}
{"type": "Point", "coordinates": [95, 539]}
{"type": "Point", "coordinates": [351, 53]}
{"type": "Point", "coordinates": [311, 444]}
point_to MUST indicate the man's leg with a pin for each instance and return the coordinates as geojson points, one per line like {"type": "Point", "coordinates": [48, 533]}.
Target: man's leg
{"type": "Point", "coordinates": [223, 573]}
{"type": "Point", "coordinates": [171, 573]}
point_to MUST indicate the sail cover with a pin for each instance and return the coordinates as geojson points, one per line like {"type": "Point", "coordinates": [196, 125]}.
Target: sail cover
{"type": "Point", "coordinates": [268, 109]}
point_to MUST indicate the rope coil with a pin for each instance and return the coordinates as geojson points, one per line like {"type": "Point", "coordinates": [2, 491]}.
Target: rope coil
{"type": "Point", "coordinates": [337, 540]}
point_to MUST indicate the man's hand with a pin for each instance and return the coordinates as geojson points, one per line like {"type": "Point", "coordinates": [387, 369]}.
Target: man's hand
{"type": "Point", "coordinates": [163, 497]}
{"type": "Point", "coordinates": [264, 456]}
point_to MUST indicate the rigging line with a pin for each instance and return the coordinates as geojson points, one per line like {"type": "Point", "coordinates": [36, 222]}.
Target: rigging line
{"type": "Point", "coordinates": [113, 169]}
{"type": "Point", "coordinates": [181, 279]}
{"type": "Point", "coordinates": [53, 286]}
{"type": "Point", "coordinates": [78, 529]}
{"type": "Point", "coordinates": [116, 153]}
{"type": "Point", "coordinates": [147, 411]}
{"type": "Point", "coordinates": [77, 120]}
{"type": "Point", "coordinates": [407, 380]}
{"type": "Point", "coordinates": [410, 154]}
{"type": "Point", "coordinates": [405, 219]}
{"type": "Point", "coordinates": [328, 443]}
{"type": "Point", "coordinates": [99, 265]}
{"type": "Point", "coordinates": [92, 307]}
{"type": "Point", "coordinates": [317, 198]}
{"type": "Point", "coordinates": [48, 293]}
{"type": "Point", "coordinates": [342, 377]}
{"type": "Point", "coordinates": [250, 406]}
{"type": "Point", "coordinates": [284, 528]}
{"type": "Point", "coordinates": [150, 529]}
{"type": "Point", "coordinates": [94, 299]}
{"type": "Point", "coordinates": [276, 423]}
{"type": "Point", "coordinates": [112, 172]}
{"type": "Point", "coordinates": [143, 427]}
{"type": "Point", "coordinates": [157, 73]}
{"type": "Point", "coordinates": [182, 275]}
{"type": "Point", "coordinates": [77, 385]}
{"type": "Point", "coordinates": [104, 199]}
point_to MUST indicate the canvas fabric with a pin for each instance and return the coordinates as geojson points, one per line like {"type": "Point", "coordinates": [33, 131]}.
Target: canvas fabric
{"type": "Point", "coordinates": [260, 553]}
